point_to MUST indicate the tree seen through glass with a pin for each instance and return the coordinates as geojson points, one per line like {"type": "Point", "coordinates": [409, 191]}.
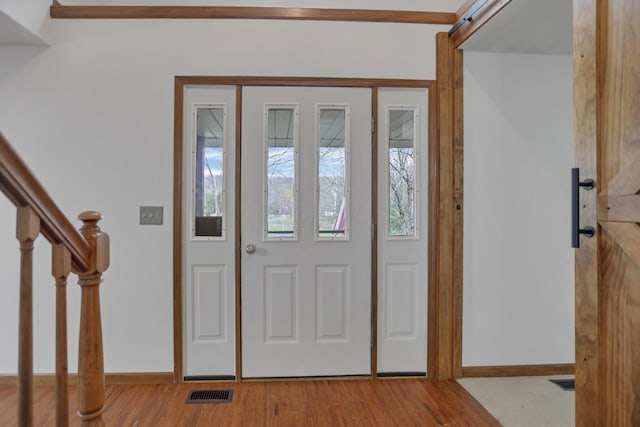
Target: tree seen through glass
{"type": "Point", "coordinates": [402, 173]}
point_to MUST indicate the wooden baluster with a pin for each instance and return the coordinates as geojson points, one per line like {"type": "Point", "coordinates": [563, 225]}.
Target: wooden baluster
{"type": "Point", "coordinates": [61, 267]}
{"type": "Point", "coordinates": [90, 357]}
{"type": "Point", "coordinates": [27, 230]}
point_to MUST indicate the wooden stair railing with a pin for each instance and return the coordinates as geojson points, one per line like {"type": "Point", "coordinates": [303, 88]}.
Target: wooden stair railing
{"type": "Point", "coordinates": [86, 253]}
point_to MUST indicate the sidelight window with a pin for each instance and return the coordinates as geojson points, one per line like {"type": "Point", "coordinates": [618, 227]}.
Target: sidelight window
{"type": "Point", "coordinates": [209, 189]}
{"type": "Point", "coordinates": [402, 160]}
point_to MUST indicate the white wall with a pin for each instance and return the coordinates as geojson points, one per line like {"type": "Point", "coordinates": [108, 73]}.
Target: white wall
{"type": "Point", "coordinates": [518, 263]}
{"type": "Point", "coordinates": [31, 15]}
{"type": "Point", "coordinates": [93, 117]}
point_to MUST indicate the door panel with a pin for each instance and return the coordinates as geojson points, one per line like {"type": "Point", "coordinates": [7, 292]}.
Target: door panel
{"type": "Point", "coordinates": [208, 230]}
{"type": "Point", "coordinates": [402, 230]}
{"type": "Point", "coordinates": [306, 282]}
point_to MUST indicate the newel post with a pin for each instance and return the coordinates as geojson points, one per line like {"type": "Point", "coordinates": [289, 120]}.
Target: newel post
{"type": "Point", "coordinates": [90, 358]}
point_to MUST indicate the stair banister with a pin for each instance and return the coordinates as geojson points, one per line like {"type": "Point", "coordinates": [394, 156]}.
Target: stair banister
{"type": "Point", "coordinates": [86, 253]}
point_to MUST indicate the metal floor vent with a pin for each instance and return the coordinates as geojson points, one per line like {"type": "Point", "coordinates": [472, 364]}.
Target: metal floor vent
{"type": "Point", "coordinates": [568, 384]}
{"type": "Point", "coordinates": [209, 396]}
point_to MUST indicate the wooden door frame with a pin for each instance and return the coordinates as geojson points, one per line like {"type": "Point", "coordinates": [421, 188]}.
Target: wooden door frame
{"type": "Point", "coordinates": [444, 213]}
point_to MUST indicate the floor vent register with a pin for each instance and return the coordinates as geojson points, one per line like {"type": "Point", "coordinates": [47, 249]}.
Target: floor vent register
{"type": "Point", "coordinates": [209, 396]}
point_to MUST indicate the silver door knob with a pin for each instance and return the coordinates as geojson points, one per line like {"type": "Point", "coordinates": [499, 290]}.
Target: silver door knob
{"type": "Point", "coordinates": [250, 249]}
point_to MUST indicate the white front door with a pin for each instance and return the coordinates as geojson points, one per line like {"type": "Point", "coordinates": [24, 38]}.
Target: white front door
{"type": "Point", "coordinates": [306, 231]}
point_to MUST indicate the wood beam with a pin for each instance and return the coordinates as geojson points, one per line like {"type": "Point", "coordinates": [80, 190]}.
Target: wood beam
{"type": "Point", "coordinates": [216, 12]}
{"type": "Point", "coordinates": [445, 289]}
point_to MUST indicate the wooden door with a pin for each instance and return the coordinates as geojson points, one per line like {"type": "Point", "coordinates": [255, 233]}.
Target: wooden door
{"type": "Point", "coordinates": [607, 89]}
{"type": "Point", "coordinates": [306, 231]}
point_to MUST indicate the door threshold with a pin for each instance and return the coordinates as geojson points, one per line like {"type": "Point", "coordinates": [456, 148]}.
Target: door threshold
{"type": "Point", "coordinates": [310, 378]}
{"type": "Point", "coordinates": [202, 378]}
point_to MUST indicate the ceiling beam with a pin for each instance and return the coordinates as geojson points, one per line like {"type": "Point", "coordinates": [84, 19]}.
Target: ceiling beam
{"type": "Point", "coordinates": [215, 12]}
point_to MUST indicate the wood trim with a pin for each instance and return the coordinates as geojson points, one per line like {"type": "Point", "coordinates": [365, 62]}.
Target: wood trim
{"type": "Point", "coordinates": [432, 244]}
{"type": "Point", "coordinates": [518, 370]}
{"type": "Point", "coordinates": [177, 230]}
{"type": "Point", "coordinates": [585, 101]}
{"type": "Point", "coordinates": [22, 188]}
{"type": "Point", "coordinates": [481, 17]}
{"type": "Point", "coordinates": [238, 236]}
{"type": "Point", "coordinates": [239, 81]}
{"type": "Point", "coordinates": [445, 297]}
{"type": "Point", "coordinates": [302, 81]}
{"type": "Point", "coordinates": [458, 213]}
{"type": "Point", "coordinates": [374, 240]}
{"type": "Point", "coordinates": [110, 378]}
{"type": "Point", "coordinates": [216, 12]}
{"type": "Point", "coordinates": [444, 251]}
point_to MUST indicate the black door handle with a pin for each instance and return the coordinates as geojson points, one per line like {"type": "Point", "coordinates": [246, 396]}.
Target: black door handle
{"type": "Point", "coordinates": [576, 231]}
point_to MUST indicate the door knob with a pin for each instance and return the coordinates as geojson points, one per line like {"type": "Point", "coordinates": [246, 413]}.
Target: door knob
{"type": "Point", "coordinates": [250, 249]}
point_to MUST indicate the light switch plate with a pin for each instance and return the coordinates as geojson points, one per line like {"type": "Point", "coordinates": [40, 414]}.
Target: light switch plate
{"type": "Point", "coordinates": [150, 215]}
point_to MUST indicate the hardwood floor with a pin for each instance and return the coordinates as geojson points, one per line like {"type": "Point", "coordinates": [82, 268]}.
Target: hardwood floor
{"type": "Point", "coordinates": [353, 403]}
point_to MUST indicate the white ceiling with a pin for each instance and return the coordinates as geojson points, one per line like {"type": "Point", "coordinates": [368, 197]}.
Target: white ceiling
{"type": "Point", "coordinates": [527, 26]}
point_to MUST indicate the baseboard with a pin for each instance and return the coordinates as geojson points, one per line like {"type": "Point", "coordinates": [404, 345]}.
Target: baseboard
{"type": "Point", "coordinates": [110, 378]}
{"type": "Point", "coordinates": [518, 370]}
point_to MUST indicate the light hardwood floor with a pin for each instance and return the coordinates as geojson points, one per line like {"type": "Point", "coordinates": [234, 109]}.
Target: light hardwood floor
{"type": "Point", "coordinates": [357, 402]}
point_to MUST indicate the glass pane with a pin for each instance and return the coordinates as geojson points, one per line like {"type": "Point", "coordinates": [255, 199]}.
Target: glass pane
{"type": "Point", "coordinates": [332, 201]}
{"type": "Point", "coordinates": [281, 171]}
{"type": "Point", "coordinates": [209, 191]}
{"type": "Point", "coordinates": [402, 172]}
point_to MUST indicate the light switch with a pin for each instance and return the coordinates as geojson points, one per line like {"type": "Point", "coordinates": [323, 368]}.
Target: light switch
{"type": "Point", "coordinates": [150, 215]}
